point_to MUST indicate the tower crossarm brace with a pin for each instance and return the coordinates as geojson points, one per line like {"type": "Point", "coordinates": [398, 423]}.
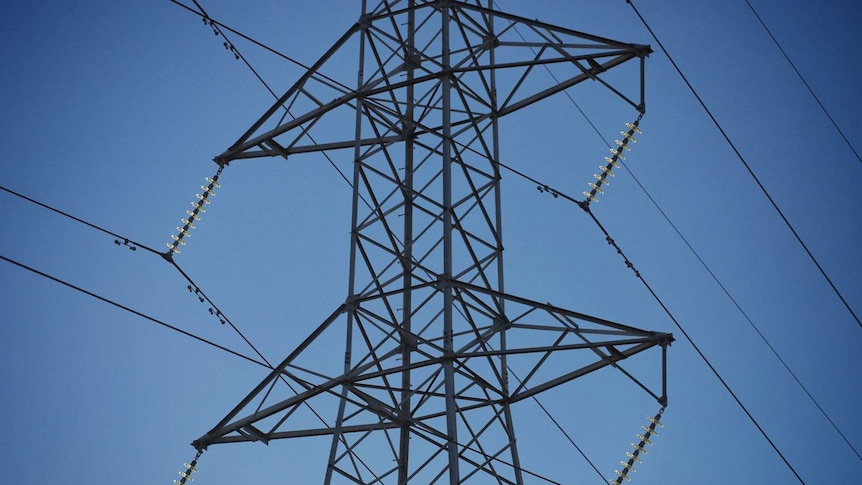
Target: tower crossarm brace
{"type": "Point", "coordinates": [574, 56]}
{"type": "Point", "coordinates": [548, 332]}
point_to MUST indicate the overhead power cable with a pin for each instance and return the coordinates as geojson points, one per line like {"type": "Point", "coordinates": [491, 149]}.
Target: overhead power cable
{"type": "Point", "coordinates": [692, 249]}
{"type": "Point", "coordinates": [193, 287]}
{"type": "Point", "coordinates": [685, 334]}
{"type": "Point", "coordinates": [217, 26]}
{"type": "Point", "coordinates": [746, 165]}
{"type": "Point", "coordinates": [215, 310]}
{"type": "Point", "coordinates": [258, 43]}
{"type": "Point", "coordinates": [664, 307]}
{"type": "Point", "coordinates": [142, 246]}
{"type": "Point", "coordinates": [201, 295]}
{"type": "Point", "coordinates": [133, 311]}
{"type": "Point", "coordinates": [561, 429]}
{"type": "Point", "coordinates": [751, 323]}
{"type": "Point", "coordinates": [660, 302]}
{"type": "Point", "coordinates": [805, 82]}
{"type": "Point", "coordinates": [630, 265]}
{"type": "Point", "coordinates": [583, 205]}
{"type": "Point", "coordinates": [79, 220]}
{"type": "Point", "coordinates": [264, 364]}
{"type": "Point", "coordinates": [721, 285]}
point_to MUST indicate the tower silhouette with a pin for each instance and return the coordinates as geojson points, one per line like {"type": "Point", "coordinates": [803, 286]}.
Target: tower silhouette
{"type": "Point", "coordinates": [414, 376]}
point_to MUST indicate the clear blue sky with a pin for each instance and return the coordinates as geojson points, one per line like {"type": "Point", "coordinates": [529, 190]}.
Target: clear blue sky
{"type": "Point", "coordinates": [112, 111]}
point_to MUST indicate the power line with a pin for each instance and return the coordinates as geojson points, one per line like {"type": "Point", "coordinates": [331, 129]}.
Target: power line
{"type": "Point", "coordinates": [630, 265]}
{"type": "Point", "coordinates": [807, 86]}
{"type": "Point", "coordinates": [177, 267]}
{"type": "Point", "coordinates": [751, 322]}
{"type": "Point", "coordinates": [691, 248]}
{"type": "Point", "coordinates": [746, 165]}
{"type": "Point", "coordinates": [214, 309]}
{"type": "Point", "coordinates": [637, 273]}
{"type": "Point", "coordinates": [145, 247]}
{"type": "Point", "coordinates": [724, 383]}
{"type": "Point", "coordinates": [258, 43]}
{"type": "Point", "coordinates": [665, 308]}
{"type": "Point", "coordinates": [79, 220]}
{"type": "Point", "coordinates": [562, 430]}
{"type": "Point", "coordinates": [142, 246]}
{"type": "Point", "coordinates": [133, 311]}
{"type": "Point", "coordinates": [217, 27]}
{"type": "Point", "coordinates": [720, 285]}
{"type": "Point", "coordinates": [201, 295]}
{"type": "Point", "coordinates": [186, 276]}
{"type": "Point", "coordinates": [265, 362]}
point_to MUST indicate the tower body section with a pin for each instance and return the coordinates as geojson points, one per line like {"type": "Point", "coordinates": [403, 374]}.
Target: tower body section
{"type": "Point", "coordinates": [414, 377]}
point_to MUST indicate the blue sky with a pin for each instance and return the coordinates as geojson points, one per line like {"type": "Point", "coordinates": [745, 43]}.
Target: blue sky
{"type": "Point", "coordinates": [114, 110]}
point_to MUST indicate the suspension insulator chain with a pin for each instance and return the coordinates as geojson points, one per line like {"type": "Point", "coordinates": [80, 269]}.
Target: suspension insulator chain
{"type": "Point", "coordinates": [634, 456]}
{"type": "Point", "coordinates": [193, 215]}
{"type": "Point", "coordinates": [612, 162]}
{"type": "Point", "coordinates": [190, 468]}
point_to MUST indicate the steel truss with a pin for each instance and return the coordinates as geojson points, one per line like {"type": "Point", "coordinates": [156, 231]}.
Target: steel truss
{"type": "Point", "coordinates": [435, 353]}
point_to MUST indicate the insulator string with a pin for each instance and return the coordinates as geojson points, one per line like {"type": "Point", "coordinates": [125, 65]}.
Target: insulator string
{"type": "Point", "coordinates": [628, 467]}
{"type": "Point", "coordinates": [607, 170]}
{"type": "Point", "coordinates": [190, 468]}
{"type": "Point", "coordinates": [184, 231]}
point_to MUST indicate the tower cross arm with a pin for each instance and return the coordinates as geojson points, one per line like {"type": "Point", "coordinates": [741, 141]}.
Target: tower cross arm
{"type": "Point", "coordinates": [512, 52]}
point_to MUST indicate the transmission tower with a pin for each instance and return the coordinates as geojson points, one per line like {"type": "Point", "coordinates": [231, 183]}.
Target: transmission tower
{"type": "Point", "coordinates": [414, 376]}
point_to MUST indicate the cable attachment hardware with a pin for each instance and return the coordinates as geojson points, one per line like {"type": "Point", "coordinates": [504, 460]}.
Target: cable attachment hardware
{"type": "Point", "coordinates": [230, 47]}
{"type": "Point", "coordinates": [545, 189]}
{"type": "Point", "coordinates": [127, 243]}
{"type": "Point", "coordinates": [218, 314]}
{"type": "Point", "coordinates": [214, 311]}
{"type": "Point", "coordinates": [217, 31]}
{"type": "Point", "coordinates": [186, 475]}
{"type": "Point", "coordinates": [209, 22]}
{"type": "Point", "coordinates": [194, 215]}
{"type": "Point", "coordinates": [197, 292]}
{"type": "Point", "coordinates": [634, 456]}
{"type": "Point", "coordinates": [607, 170]}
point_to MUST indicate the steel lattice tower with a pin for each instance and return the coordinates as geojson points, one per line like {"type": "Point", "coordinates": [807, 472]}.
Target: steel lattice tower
{"type": "Point", "coordinates": [414, 376]}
